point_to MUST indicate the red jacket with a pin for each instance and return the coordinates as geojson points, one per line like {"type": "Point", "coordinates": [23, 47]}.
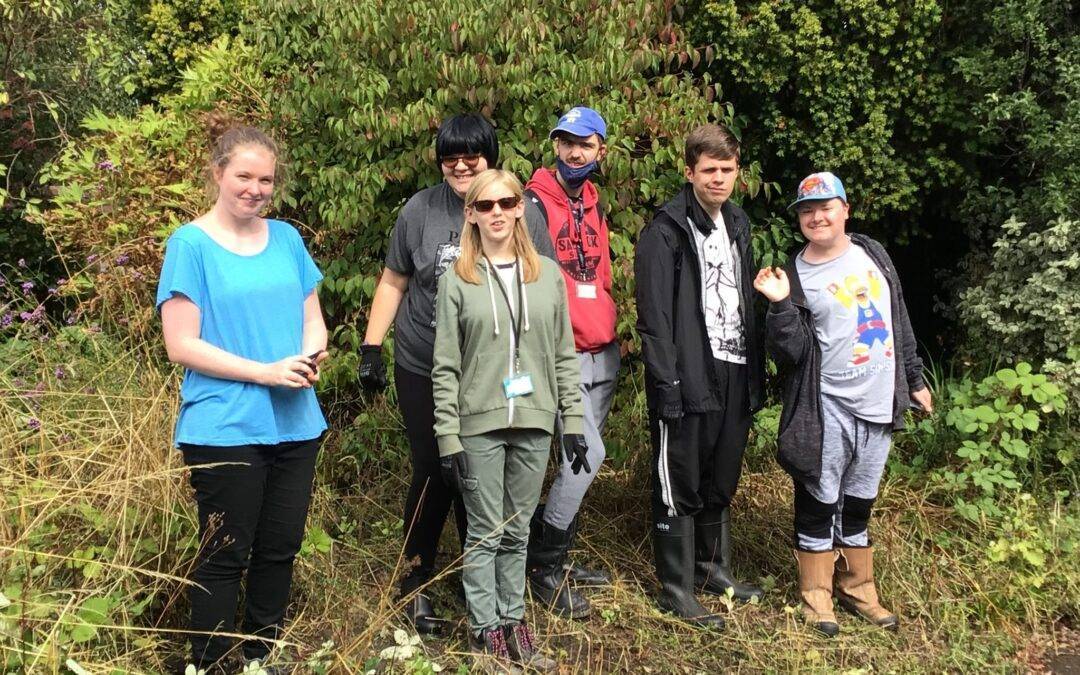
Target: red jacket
{"type": "Point", "coordinates": [593, 318]}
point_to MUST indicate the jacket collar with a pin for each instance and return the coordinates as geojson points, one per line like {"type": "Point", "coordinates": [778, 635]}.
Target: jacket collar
{"type": "Point", "coordinates": [682, 207]}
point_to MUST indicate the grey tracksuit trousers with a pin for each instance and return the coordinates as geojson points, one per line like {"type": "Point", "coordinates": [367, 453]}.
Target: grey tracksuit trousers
{"type": "Point", "coordinates": [836, 508]}
{"type": "Point", "coordinates": [599, 375]}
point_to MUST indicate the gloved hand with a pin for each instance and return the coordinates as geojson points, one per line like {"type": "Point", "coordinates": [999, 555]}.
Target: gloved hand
{"type": "Point", "coordinates": [671, 414]}
{"type": "Point", "coordinates": [454, 469]}
{"type": "Point", "coordinates": [372, 371]}
{"type": "Point", "coordinates": [575, 449]}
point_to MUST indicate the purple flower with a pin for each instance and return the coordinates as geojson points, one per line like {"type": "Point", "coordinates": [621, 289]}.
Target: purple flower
{"type": "Point", "coordinates": [106, 165]}
{"type": "Point", "coordinates": [122, 259]}
{"type": "Point", "coordinates": [19, 382]}
{"type": "Point", "coordinates": [61, 281]}
{"type": "Point", "coordinates": [6, 320]}
{"type": "Point", "coordinates": [27, 286]}
{"type": "Point", "coordinates": [59, 373]}
{"type": "Point", "coordinates": [91, 258]}
{"type": "Point", "coordinates": [137, 275]}
{"type": "Point", "coordinates": [22, 263]}
{"type": "Point", "coordinates": [26, 316]}
{"type": "Point", "coordinates": [70, 320]}
{"type": "Point", "coordinates": [52, 291]}
{"type": "Point", "coordinates": [34, 423]}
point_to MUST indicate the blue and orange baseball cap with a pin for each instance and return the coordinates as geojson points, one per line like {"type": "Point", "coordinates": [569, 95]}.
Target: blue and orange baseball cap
{"type": "Point", "coordinates": [818, 187]}
{"type": "Point", "coordinates": [581, 121]}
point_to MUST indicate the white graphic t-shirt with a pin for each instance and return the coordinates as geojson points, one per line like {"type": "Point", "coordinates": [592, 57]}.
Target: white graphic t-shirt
{"type": "Point", "coordinates": [720, 295]}
{"type": "Point", "coordinates": [849, 298]}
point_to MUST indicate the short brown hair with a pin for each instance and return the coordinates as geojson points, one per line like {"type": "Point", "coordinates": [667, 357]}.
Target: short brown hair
{"type": "Point", "coordinates": [713, 140]}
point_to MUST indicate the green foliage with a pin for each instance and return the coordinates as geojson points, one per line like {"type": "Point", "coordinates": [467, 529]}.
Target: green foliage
{"type": "Point", "coordinates": [848, 87]}
{"type": "Point", "coordinates": [359, 92]}
{"type": "Point", "coordinates": [1002, 434]}
{"type": "Point", "coordinates": [1027, 305]}
{"type": "Point", "coordinates": [1018, 66]}
{"type": "Point", "coordinates": [46, 85]}
{"type": "Point", "coordinates": [153, 42]}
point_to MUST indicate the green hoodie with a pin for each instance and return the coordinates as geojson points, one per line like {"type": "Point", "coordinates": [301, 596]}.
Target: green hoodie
{"type": "Point", "coordinates": [473, 335]}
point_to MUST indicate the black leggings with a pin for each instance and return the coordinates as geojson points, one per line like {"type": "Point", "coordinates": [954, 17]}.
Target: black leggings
{"type": "Point", "coordinates": [251, 518]}
{"type": "Point", "coordinates": [429, 498]}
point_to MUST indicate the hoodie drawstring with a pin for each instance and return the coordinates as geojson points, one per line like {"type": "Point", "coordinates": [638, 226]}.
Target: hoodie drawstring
{"type": "Point", "coordinates": [491, 293]}
{"type": "Point", "coordinates": [524, 295]}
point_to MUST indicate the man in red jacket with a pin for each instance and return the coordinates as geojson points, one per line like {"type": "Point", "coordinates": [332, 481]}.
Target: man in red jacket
{"type": "Point", "coordinates": [570, 202]}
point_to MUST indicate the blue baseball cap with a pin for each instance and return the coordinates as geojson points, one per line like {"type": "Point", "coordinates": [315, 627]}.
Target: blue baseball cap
{"type": "Point", "coordinates": [819, 187]}
{"type": "Point", "coordinates": [581, 121]}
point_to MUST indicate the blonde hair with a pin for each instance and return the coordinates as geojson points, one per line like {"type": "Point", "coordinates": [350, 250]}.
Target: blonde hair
{"type": "Point", "coordinates": [471, 246]}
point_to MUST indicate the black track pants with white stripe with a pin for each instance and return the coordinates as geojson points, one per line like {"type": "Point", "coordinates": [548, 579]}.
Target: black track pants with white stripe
{"type": "Point", "coordinates": [697, 466]}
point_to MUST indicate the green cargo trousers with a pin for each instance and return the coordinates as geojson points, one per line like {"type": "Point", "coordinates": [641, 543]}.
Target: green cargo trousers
{"type": "Point", "coordinates": [506, 473]}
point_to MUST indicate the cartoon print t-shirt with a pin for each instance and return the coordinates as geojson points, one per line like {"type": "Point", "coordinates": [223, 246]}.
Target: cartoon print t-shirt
{"type": "Point", "coordinates": [720, 292]}
{"type": "Point", "coordinates": [849, 298]}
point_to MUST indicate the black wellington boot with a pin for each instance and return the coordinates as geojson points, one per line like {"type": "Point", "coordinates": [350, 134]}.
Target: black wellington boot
{"type": "Point", "coordinates": [673, 547]}
{"type": "Point", "coordinates": [548, 547]}
{"type": "Point", "coordinates": [421, 614]}
{"type": "Point", "coordinates": [712, 571]}
{"type": "Point", "coordinates": [583, 576]}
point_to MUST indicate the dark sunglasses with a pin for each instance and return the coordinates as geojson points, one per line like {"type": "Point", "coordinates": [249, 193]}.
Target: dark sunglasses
{"type": "Point", "coordinates": [451, 161]}
{"type": "Point", "coordinates": [485, 205]}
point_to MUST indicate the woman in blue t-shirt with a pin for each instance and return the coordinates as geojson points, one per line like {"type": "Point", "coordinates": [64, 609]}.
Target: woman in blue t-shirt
{"type": "Point", "coordinates": [239, 311]}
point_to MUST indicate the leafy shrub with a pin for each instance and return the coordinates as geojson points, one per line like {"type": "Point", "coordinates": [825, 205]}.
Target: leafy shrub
{"type": "Point", "coordinates": [849, 87]}
{"type": "Point", "coordinates": [1028, 305]}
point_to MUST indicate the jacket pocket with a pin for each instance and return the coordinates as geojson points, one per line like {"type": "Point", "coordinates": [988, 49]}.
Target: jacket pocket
{"type": "Point", "coordinates": [541, 367]}
{"type": "Point", "coordinates": [481, 383]}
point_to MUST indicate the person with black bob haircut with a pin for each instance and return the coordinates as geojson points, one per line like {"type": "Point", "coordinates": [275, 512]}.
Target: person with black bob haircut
{"type": "Point", "coordinates": [425, 242]}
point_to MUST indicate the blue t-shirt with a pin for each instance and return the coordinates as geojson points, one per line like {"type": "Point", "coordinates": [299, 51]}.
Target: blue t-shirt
{"type": "Point", "coordinates": [251, 306]}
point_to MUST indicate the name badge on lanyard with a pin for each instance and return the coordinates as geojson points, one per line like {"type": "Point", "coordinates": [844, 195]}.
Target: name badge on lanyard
{"type": "Point", "coordinates": [518, 385]}
{"type": "Point", "coordinates": [586, 291]}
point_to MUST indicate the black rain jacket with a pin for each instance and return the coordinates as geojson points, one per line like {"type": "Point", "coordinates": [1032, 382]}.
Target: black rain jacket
{"type": "Point", "coordinates": [679, 365]}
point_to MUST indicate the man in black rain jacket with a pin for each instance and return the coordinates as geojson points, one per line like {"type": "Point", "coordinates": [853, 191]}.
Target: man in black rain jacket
{"type": "Point", "coordinates": [704, 371]}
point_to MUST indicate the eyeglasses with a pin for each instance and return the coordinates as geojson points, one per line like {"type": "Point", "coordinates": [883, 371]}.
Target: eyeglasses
{"type": "Point", "coordinates": [451, 161]}
{"type": "Point", "coordinates": [485, 205]}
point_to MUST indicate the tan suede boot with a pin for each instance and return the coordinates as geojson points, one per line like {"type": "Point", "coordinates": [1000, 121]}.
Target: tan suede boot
{"type": "Point", "coordinates": [815, 588]}
{"type": "Point", "coordinates": [855, 587]}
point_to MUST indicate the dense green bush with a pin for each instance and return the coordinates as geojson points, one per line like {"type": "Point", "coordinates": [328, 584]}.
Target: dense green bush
{"type": "Point", "coordinates": [1028, 304]}
{"type": "Point", "coordinates": [356, 93]}
{"type": "Point", "coordinates": [849, 87]}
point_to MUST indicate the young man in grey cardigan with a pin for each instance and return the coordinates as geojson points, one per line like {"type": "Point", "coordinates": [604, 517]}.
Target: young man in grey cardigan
{"type": "Point", "coordinates": [838, 328]}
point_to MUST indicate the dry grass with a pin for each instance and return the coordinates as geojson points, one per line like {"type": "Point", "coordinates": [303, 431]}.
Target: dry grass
{"type": "Point", "coordinates": [100, 476]}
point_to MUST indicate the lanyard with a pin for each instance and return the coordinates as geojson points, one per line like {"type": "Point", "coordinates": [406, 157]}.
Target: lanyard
{"type": "Point", "coordinates": [506, 296]}
{"type": "Point", "coordinates": [577, 211]}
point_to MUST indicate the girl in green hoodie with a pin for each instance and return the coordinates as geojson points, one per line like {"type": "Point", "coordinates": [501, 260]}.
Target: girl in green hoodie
{"type": "Point", "coordinates": [504, 366]}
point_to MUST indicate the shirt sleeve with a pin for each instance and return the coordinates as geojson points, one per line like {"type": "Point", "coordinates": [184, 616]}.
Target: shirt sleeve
{"type": "Point", "coordinates": [310, 276]}
{"type": "Point", "coordinates": [399, 255]}
{"type": "Point", "coordinates": [181, 273]}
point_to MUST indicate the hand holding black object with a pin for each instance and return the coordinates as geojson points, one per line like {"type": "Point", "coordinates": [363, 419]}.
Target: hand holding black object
{"type": "Point", "coordinates": [575, 449]}
{"type": "Point", "coordinates": [372, 371]}
{"type": "Point", "coordinates": [454, 469]}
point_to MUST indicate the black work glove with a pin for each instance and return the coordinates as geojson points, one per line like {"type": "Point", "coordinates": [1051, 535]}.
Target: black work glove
{"type": "Point", "coordinates": [372, 371]}
{"type": "Point", "coordinates": [671, 414]}
{"type": "Point", "coordinates": [454, 469]}
{"type": "Point", "coordinates": [575, 449]}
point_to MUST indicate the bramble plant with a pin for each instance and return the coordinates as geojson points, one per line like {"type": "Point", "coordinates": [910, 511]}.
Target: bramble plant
{"type": "Point", "coordinates": [1000, 426]}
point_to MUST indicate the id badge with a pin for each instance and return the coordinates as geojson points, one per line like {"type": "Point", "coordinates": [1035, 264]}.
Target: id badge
{"type": "Point", "coordinates": [586, 291]}
{"type": "Point", "coordinates": [518, 385]}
